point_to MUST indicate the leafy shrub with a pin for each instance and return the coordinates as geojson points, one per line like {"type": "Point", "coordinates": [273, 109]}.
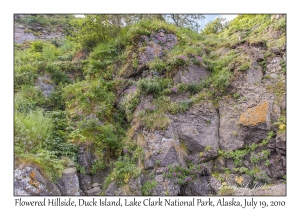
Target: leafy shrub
{"type": "Point", "coordinates": [148, 187]}
{"type": "Point", "coordinates": [31, 130]}
{"type": "Point", "coordinates": [28, 99]}
{"type": "Point", "coordinates": [154, 86]}
{"type": "Point", "coordinates": [184, 175]}
{"type": "Point", "coordinates": [124, 169]}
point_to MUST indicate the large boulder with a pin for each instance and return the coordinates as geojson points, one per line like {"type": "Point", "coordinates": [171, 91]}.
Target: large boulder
{"type": "Point", "coordinates": [29, 181]}
{"type": "Point", "coordinates": [201, 186]}
{"type": "Point", "coordinates": [69, 183]}
{"type": "Point", "coordinates": [149, 48]}
{"type": "Point", "coordinates": [190, 74]}
{"type": "Point", "coordinates": [198, 130]}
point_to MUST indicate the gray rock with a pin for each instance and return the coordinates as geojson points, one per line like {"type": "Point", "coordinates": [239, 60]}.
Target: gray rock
{"type": "Point", "coordinates": [45, 84]}
{"type": "Point", "coordinates": [169, 154]}
{"type": "Point", "coordinates": [135, 185]}
{"type": "Point", "coordinates": [198, 130]}
{"type": "Point", "coordinates": [96, 185]}
{"type": "Point", "coordinates": [165, 186]}
{"type": "Point", "coordinates": [69, 183]}
{"type": "Point", "coordinates": [281, 143]}
{"type": "Point", "coordinates": [85, 181]}
{"type": "Point", "coordinates": [152, 47]}
{"type": "Point", "coordinates": [99, 177]}
{"type": "Point", "coordinates": [86, 157]}
{"type": "Point", "coordinates": [191, 74]}
{"type": "Point", "coordinates": [29, 181]}
{"type": "Point", "coordinates": [112, 189]}
{"type": "Point", "coordinates": [273, 190]}
{"type": "Point", "coordinates": [94, 191]}
{"type": "Point", "coordinates": [254, 75]}
{"type": "Point", "coordinates": [199, 187]}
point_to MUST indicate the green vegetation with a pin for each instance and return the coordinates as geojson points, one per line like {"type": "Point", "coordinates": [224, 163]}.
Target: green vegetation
{"type": "Point", "coordinates": [148, 187]}
{"type": "Point", "coordinates": [95, 102]}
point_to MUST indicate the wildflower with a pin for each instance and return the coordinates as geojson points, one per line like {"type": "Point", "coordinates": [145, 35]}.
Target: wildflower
{"type": "Point", "coordinates": [174, 174]}
{"type": "Point", "coordinates": [174, 89]}
{"type": "Point", "coordinates": [125, 150]}
{"type": "Point", "coordinates": [80, 112]}
{"type": "Point", "coordinates": [115, 131]}
{"type": "Point", "coordinates": [188, 179]}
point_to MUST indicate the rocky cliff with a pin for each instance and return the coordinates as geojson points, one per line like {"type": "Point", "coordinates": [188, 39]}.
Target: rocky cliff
{"type": "Point", "coordinates": [188, 114]}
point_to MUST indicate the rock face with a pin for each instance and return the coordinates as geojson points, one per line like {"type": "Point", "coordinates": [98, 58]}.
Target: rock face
{"type": "Point", "coordinates": [23, 35]}
{"type": "Point", "coordinates": [69, 183]}
{"type": "Point", "coordinates": [29, 181]}
{"type": "Point", "coordinates": [149, 48]}
{"type": "Point", "coordinates": [44, 83]}
{"type": "Point", "coordinates": [198, 130]}
{"type": "Point", "coordinates": [191, 74]}
{"type": "Point", "coordinates": [198, 187]}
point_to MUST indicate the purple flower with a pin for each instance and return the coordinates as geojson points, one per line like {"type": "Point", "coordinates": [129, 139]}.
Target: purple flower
{"type": "Point", "coordinates": [115, 131]}
{"type": "Point", "coordinates": [179, 173]}
{"type": "Point", "coordinates": [174, 89]}
{"type": "Point", "coordinates": [190, 157]}
{"type": "Point", "coordinates": [174, 174]}
{"type": "Point", "coordinates": [125, 150]}
{"type": "Point", "coordinates": [188, 179]}
{"type": "Point", "coordinates": [80, 112]}
{"type": "Point", "coordinates": [199, 58]}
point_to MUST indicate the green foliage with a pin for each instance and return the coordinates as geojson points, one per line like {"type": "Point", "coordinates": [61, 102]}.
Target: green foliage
{"type": "Point", "coordinates": [29, 99]}
{"type": "Point", "coordinates": [92, 30]}
{"type": "Point", "coordinates": [130, 101]}
{"type": "Point", "coordinates": [31, 130]}
{"type": "Point", "coordinates": [50, 165]}
{"type": "Point", "coordinates": [215, 26]}
{"type": "Point", "coordinates": [179, 107]}
{"type": "Point", "coordinates": [57, 75]}
{"type": "Point", "coordinates": [154, 85]}
{"type": "Point", "coordinates": [238, 155]}
{"type": "Point", "coordinates": [124, 169]}
{"type": "Point", "coordinates": [184, 175]}
{"type": "Point", "coordinates": [148, 187]}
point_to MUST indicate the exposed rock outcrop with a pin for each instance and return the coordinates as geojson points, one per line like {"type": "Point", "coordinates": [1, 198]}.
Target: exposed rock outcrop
{"type": "Point", "coordinates": [29, 181]}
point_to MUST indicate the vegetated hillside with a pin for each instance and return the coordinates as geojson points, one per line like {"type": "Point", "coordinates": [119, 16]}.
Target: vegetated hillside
{"type": "Point", "coordinates": [149, 108]}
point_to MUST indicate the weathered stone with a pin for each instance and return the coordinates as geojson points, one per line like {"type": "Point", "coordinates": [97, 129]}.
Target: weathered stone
{"type": "Point", "coordinates": [270, 190]}
{"type": "Point", "coordinates": [198, 130]}
{"type": "Point", "coordinates": [254, 75]}
{"type": "Point", "coordinates": [112, 189]}
{"type": "Point", "coordinates": [29, 181]}
{"type": "Point", "coordinates": [86, 157]}
{"type": "Point", "coordinates": [96, 185]}
{"type": "Point", "coordinates": [277, 165]}
{"type": "Point", "coordinates": [135, 185]}
{"type": "Point", "coordinates": [149, 48]}
{"type": "Point", "coordinates": [165, 186]}
{"type": "Point", "coordinates": [256, 115]}
{"type": "Point", "coordinates": [45, 84]}
{"type": "Point", "coordinates": [256, 122]}
{"type": "Point", "coordinates": [199, 187]}
{"type": "Point", "coordinates": [85, 181]}
{"type": "Point", "coordinates": [169, 154]}
{"type": "Point", "coordinates": [100, 176]}
{"type": "Point", "coordinates": [94, 191]}
{"type": "Point", "coordinates": [191, 74]}
{"type": "Point", "coordinates": [281, 143]}
{"type": "Point", "coordinates": [229, 131]}
{"type": "Point", "coordinates": [69, 183]}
